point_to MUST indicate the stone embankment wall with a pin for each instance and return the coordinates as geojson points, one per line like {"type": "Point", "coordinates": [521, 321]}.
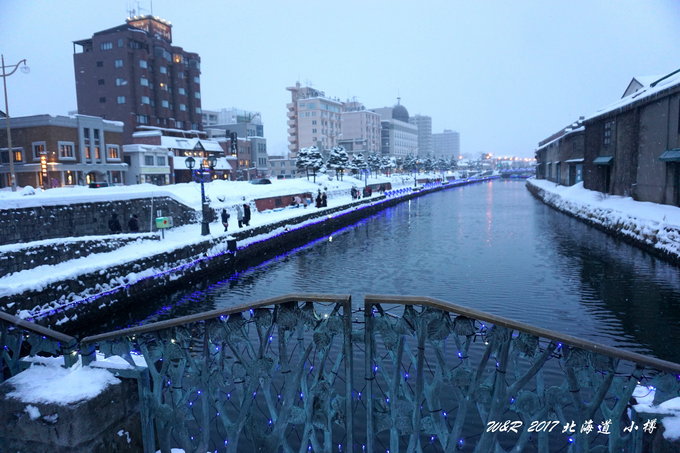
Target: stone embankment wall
{"type": "Point", "coordinates": [22, 258]}
{"type": "Point", "coordinates": [89, 298]}
{"type": "Point", "coordinates": [658, 239]}
{"type": "Point", "coordinates": [85, 219]}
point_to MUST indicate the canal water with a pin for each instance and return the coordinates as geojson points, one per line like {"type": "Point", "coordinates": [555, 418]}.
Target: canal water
{"type": "Point", "coordinates": [489, 246]}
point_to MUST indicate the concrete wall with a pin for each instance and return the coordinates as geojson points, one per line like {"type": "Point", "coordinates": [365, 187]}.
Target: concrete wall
{"type": "Point", "coordinates": [85, 219]}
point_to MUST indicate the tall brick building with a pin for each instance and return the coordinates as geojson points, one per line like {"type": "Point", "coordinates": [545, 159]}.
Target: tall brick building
{"type": "Point", "coordinates": [132, 73]}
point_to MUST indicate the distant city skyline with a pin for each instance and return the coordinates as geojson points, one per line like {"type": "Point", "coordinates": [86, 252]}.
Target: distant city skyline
{"type": "Point", "coordinates": [503, 75]}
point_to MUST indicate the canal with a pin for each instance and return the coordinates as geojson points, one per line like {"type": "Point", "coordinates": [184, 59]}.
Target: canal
{"type": "Point", "coordinates": [489, 246]}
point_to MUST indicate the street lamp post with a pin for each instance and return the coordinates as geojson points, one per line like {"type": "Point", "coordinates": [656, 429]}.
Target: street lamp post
{"type": "Point", "coordinates": [5, 74]}
{"type": "Point", "coordinates": [190, 162]}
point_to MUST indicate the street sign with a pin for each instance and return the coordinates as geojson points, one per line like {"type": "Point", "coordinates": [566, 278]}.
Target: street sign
{"type": "Point", "coordinates": [163, 222]}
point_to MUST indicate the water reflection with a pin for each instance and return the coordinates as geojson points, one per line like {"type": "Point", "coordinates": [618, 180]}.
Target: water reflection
{"type": "Point", "coordinates": [488, 246]}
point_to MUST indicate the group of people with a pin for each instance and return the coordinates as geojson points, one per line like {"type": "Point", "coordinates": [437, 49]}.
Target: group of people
{"type": "Point", "coordinates": [242, 215]}
{"type": "Point", "coordinates": [115, 226]}
{"type": "Point", "coordinates": [367, 192]}
{"type": "Point", "coordinates": [321, 199]}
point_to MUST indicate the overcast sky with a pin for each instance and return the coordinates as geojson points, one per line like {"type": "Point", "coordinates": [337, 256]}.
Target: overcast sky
{"type": "Point", "coordinates": [505, 74]}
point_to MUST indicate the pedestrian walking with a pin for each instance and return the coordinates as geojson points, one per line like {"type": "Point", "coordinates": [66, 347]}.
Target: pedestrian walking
{"type": "Point", "coordinates": [225, 219]}
{"type": "Point", "coordinates": [133, 224]}
{"type": "Point", "coordinates": [324, 200]}
{"type": "Point", "coordinates": [246, 214]}
{"type": "Point", "coordinates": [318, 199]}
{"type": "Point", "coordinates": [239, 215]}
{"type": "Point", "coordinates": [114, 224]}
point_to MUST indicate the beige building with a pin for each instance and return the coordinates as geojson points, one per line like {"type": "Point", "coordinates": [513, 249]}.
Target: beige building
{"type": "Point", "coordinates": [360, 128]}
{"type": "Point", "coordinates": [313, 119]}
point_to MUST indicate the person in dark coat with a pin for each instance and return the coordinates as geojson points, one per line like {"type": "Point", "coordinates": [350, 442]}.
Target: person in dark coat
{"type": "Point", "coordinates": [133, 224]}
{"type": "Point", "coordinates": [246, 214]}
{"type": "Point", "coordinates": [324, 200]}
{"type": "Point", "coordinates": [225, 219]}
{"type": "Point", "coordinates": [318, 199]}
{"type": "Point", "coordinates": [114, 224]}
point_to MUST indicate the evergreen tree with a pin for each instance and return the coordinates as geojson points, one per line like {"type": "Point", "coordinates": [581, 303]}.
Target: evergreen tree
{"type": "Point", "coordinates": [315, 159]}
{"type": "Point", "coordinates": [338, 160]}
{"type": "Point", "coordinates": [428, 163]}
{"type": "Point", "coordinates": [302, 161]}
{"type": "Point", "coordinates": [386, 165]}
{"type": "Point", "coordinates": [409, 163]}
{"type": "Point", "coordinates": [453, 163]}
{"type": "Point", "coordinates": [359, 163]}
{"type": "Point", "coordinates": [399, 162]}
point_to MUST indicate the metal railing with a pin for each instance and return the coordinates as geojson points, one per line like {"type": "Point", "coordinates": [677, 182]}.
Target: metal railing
{"type": "Point", "coordinates": [303, 372]}
{"type": "Point", "coordinates": [21, 339]}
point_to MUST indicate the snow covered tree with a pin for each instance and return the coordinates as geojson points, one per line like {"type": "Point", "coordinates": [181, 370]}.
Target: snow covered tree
{"type": "Point", "coordinates": [315, 161]}
{"type": "Point", "coordinates": [453, 163]}
{"type": "Point", "coordinates": [358, 163]}
{"type": "Point", "coordinates": [302, 161]}
{"type": "Point", "coordinates": [386, 165]}
{"type": "Point", "coordinates": [399, 163]}
{"type": "Point", "coordinates": [373, 163]}
{"type": "Point", "coordinates": [428, 163]}
{"type": "Point", "coordinates": [338, 160]}
{"type": "Point", "coordinates": [409, 163]}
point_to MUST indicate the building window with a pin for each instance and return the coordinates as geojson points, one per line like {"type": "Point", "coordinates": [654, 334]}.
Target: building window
{"type": "Point", "coordinates": [165, 103]}
{"type": "Point", "coordinates": [143, 119]}
{"type": "Point", "coordinates": [181, 91]}
{"type": "Point", "coordinates": [38, 149]}
{"type": "Point", "coordinates": [179, 124]}
{"type": "Point", "coordinates": [66, 150]}
{"type": "Point", "coordinates": [142, 64]}
{"type": "Point", "coordinates": [148, 161]}
{"type": "Point", "coordinates": [112, 152]}
{"type": "Point", "coordinates": [198, 110]}
{"type": "Point", "coordinates": [102, 100]}
{"type": "Point", "coordinates": [313, 122]}
{"type": "Point", "coordinates": [177, 58]}
{"type": "Point", "coordinates": [18, 155]}
{"type": "Point", "coordinates": [313, 131]}
{"type": "Point", "coordinates": [120, 99]}
{"type": "Point", "coordinates": [160, 161]}
{"type": "Point", "coordinates": [118, 63]}
{"type": "Point", "coordinates": [120, 82]}
{"type": "Point", "coordinates": [100, 64]}
{"type": "Point", "coordinates": [197, 79]}
{"type": "Point", "coordinates": [100, 82]}
{"type": "Point", "coordinates": [120, 42]}
{"type": "Point", "coordinates": [145, 100]}
{"type": "Point", "coordinates": [106, 45]}
{"type": "Point", "coordinates": [143, 81]}
{"type": "Point", "coordinates": [197, 95]}
{"type": "Point", "coordinates": [180, 75]}
{"type": "Point", "coordinates": [608, 130]}
{"type": "Point", "coordinates": [163, 70]}
{"type": "Point", "coordinates": [97, 153]}
{"type": "Point", "coordinates": [182, 107]}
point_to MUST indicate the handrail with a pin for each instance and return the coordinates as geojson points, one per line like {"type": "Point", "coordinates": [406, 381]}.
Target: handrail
{"type": "Point", "coordinates": [303, 297]}
{"type": "Point", "coordinates": [663, 365]}
{"type": "Point", "coordinates": [37, 328]}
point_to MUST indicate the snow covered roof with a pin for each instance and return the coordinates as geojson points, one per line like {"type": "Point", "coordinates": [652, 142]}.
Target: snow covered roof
{"type": "Point", "coordinates": [190, 143]}
{"type": "Point", "coordinates": [222, 163]}
{"type": "Point", "coordinates": [663, 83]}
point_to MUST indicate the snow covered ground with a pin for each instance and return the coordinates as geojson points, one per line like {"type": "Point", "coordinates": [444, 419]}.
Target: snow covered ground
{"type": "Point", "coordinates": [652, 224]}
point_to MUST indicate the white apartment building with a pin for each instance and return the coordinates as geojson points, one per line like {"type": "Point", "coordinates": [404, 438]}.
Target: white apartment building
{"type": "Point", "coordinates": [313, 119]}
{"type": "Point", "coordinates": [446, 144]}
{"type": "Point", "coordinates": [424, 125]}
{"type": "Point", "coordinates": [360, 129]}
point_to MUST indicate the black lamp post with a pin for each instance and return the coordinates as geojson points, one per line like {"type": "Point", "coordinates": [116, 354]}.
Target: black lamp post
{"type": "Point", "coordinates": [190, 162]}
{"type": "Point", "coordinates": [6, 72]}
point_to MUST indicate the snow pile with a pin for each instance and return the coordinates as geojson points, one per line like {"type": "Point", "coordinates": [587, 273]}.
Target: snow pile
{"type": "Point", "coordinates": [668, 410]}
{"type": "Point", "coordinates": [52, 384]}
{"type": "Point", "coordinates": [654, 225]}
